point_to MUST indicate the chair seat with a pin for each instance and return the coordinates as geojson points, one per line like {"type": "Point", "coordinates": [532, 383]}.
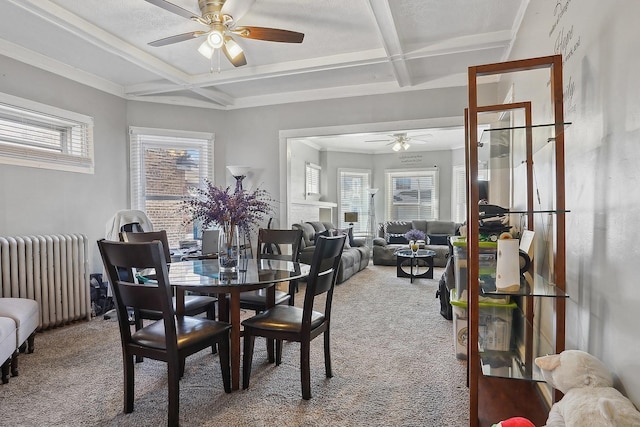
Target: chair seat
{"type": "Point", "coordinates": [283, 318]}
{"type": "Point", "coordinates": [190, 331]}
{"type": "Point", "coordinates": [193, 305]}
{"type": "Point", "coordinates": [258, 299]}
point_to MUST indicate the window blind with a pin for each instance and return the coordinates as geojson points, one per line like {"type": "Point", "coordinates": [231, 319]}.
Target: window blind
{"type": "Point", "coordinates": [412, 194]}
{"type": "Point", "coordinates": [165, 166]}
{"type": "Point", "coordinates": [354, 197]}
{"type": "Point", "coordinates": [39, 135]}
{"type": "Point", "coordinates": [312, 178]}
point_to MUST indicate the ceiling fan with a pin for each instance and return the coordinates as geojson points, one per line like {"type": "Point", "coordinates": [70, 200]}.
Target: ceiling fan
{"type": "Point", "coordinates": [218, 15]}
{"type": "Point", "coordinates": [401, 140]}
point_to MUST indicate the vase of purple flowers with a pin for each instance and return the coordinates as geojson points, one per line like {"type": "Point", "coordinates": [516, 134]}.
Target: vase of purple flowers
{"type": "Point", "coordinates": [413, 236]}
{"type": "Point", "coordinates": [228, 248]}
{"type": "Point", "coordinates": [235, 213]}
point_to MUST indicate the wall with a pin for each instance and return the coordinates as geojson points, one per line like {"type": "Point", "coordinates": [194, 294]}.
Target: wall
{"type": "Point", "coordinates": [598, 41]}
{"type": "Point", "coordinates": [43, 201]}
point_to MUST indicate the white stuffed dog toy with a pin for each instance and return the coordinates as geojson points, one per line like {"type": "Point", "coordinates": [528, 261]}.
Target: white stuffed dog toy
{"type": "Point", "coordinates": [589, 398]}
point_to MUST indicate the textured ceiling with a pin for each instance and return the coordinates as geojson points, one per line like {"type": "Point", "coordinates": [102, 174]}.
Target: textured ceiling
{"type": "Point", "coordinates": [351, 47]}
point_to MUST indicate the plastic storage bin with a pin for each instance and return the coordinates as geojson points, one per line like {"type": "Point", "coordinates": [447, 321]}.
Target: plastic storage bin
{"type": "Point", "coordinates": [488, 252]}
{"type": "Point", "coordinates": [494, 331]}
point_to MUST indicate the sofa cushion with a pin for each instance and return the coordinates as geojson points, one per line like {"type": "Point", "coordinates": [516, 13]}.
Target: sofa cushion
{"type": "Point", "coordinates": [319, 226]}
{"type": "Point", "coordinates": [394, 231]}
{"type": "Point", "coordinates": [441, 227]}
{"type": "Point", "coordinates": [397, 227]}
{"type": "Point", "coordinates": [419, 224]}
{"type": "Point", "coordinates": [438, 239]}
{"type": "Point", "coordinates": [308, 233]}
{"type": "Point", "coordinates": [325, 233]}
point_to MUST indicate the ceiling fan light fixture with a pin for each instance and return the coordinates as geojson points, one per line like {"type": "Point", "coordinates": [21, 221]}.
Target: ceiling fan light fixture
{"type": "Point", "coordinates": [215, 39]}
{"type": "Point", "coordinates": [406, 146]}
{"type": "Point", "coordinates": [206, 50]}
{"type": "Point", "coordinates": [233, 48]}
{"type": "Point", "coordinates": [397, 146]}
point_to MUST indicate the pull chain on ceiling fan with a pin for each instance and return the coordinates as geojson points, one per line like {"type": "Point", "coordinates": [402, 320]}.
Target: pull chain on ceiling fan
{"type": "Point", "coordinates": [217, 15]}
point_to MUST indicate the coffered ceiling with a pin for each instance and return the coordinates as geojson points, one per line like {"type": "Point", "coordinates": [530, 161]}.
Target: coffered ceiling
{"type": "Point", "coordinates": [350, 47]}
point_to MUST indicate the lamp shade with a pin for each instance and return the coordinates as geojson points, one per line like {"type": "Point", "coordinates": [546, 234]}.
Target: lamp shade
{"type": "Point", "coordinates": [237, 171]}
{"type": "Point", "coordinates": [351, 217]}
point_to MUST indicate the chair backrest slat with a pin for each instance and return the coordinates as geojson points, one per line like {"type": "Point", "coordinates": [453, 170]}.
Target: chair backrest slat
{"type": "Point", "coordinates": [269, 241]}
{"type": "Point", "coordinates": [323, 275]}
{"type": "Point", "coordinates": [148, 236]}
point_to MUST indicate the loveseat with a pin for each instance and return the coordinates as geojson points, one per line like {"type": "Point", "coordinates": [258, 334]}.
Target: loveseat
{"type": "Point", "coordinates": [391, 238]}
{"type": "Point", "coordinates": [355, 256]}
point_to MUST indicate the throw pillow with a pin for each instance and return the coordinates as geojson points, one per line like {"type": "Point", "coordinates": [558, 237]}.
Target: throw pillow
{"type": "Point", "coordinates": [325, 233]}
{"type": "Point", "coordinates": [338, 232]}
{"type": "Point", "coordinates": [392, 238]}
{"type": "Point", "coordinates": [438, 239]}
{"type": "Point", "coordinates": [348, 232]}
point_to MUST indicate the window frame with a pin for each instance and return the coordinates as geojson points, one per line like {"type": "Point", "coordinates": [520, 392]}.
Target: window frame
{"type": "Point", "coordinates": [165, 139]}
{"type": "Point", "coordinates": [432, 172]}
{"type": "Point", "coordinates": [361, 227]}
{"type": "Point", "coordinates": [26, 131]}
{"type": "Point", "coordinates": [312, 176]}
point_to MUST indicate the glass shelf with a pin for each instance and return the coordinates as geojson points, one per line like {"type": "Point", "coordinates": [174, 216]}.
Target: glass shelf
{"type": "Point", "coordinates": [500, 143]}
{"type": "Point", "coordinates": [539, 288]}
{"type": "Point", "coordinates": [508, 364]}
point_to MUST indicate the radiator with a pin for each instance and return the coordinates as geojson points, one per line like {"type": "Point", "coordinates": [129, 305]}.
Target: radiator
{"type": "Point", "coordinates": [51, 269]}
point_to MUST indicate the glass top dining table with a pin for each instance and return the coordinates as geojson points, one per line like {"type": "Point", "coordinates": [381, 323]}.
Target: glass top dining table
{"type": "Point", "coordinates": [203, 276]}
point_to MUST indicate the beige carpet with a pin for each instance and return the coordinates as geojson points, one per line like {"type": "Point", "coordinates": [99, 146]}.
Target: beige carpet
{"type": "Point", "coordinates": [392, 355]}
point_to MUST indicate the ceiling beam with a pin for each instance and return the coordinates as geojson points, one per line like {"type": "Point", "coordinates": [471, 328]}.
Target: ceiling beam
{"type": "Point", "coordinates": [390, 40]}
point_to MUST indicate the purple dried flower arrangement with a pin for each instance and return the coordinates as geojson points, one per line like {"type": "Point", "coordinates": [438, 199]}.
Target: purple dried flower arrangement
{"type": "Point", "coordinates": [218, 206]}
{"type": "Point", "coordinates": [414, 234]}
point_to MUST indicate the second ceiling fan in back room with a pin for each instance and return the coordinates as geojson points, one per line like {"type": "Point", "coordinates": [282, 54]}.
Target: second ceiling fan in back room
{"type": "Point", "coordinates": [400, 141]}
{"type": "Point", "coordinates": [218, 15]}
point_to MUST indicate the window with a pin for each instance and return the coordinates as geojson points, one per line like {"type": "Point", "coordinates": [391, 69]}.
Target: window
{"type": "Point", "coordinates": [164, 165]}
{"type": "Point", "coordinates": [412, 194]}
{"type": "Point", "coordinates": [353, 188]}
{"type": "Point", "coordinates": [42, 136]}
{"type": "Point", "coordinates": [312, 179]}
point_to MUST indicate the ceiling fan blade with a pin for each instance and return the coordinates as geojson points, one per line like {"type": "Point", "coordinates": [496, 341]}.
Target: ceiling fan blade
{"type": "Point", "coordinates": [177, 38]}
{"type": "Point", "coordinates": [269, 34]}
{"type": "Point", "coordinates": [236, 8]}
{"type": "Point", "coordinates": [164, 4]}
{"type": "Point", "coordinates": [233, 52]}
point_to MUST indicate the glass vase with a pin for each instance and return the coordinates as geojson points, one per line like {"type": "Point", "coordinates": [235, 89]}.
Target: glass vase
{"type": "Point", "coordinates": [228, 248]}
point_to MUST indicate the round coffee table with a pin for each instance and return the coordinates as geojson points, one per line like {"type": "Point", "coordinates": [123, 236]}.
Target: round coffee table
{"type": "Point", "coordinates": [408, 258]}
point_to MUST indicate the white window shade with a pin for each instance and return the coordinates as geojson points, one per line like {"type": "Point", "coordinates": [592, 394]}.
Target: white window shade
{"type": "Point", "coordinates": [354, 197]}
{"type": "Point", "coordinates": [412, 194]}
{"type": "Point", "coordinates": [39, 135]}
{"type": "Point", "coordinates": [312, 179]}
{"type": "Point", "coordinates": [165, 165]}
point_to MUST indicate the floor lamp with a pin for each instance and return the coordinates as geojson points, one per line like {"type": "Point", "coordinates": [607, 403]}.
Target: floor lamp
{"type": "Point", "coordinates": [372, 226]}
{"type": "Point", "coordinates": [239, 173]}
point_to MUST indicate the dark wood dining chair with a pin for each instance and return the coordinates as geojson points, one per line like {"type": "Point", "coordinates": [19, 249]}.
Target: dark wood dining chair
{"type": "Point", "coordinates": [290, 323]}
{"type": "Point", "coordinates": [270, 246]}
{"type": "Point", "coordinates": [193, 304]}
{"type": "Point", "coordinates": [170, 339]}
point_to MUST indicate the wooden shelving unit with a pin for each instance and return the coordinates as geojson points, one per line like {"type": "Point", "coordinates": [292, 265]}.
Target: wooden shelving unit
{"type": "Point", "coordinates": [514, 388]}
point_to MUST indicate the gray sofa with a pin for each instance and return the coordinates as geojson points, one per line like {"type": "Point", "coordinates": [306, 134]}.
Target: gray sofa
{"type": "Point", "coordinates": [390, 238]}
{"type": "Point", "coordinates": [355, 256]}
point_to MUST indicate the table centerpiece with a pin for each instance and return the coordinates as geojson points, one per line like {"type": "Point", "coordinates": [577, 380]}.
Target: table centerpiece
{"type": "Point", "coordinates": [235, 213]}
